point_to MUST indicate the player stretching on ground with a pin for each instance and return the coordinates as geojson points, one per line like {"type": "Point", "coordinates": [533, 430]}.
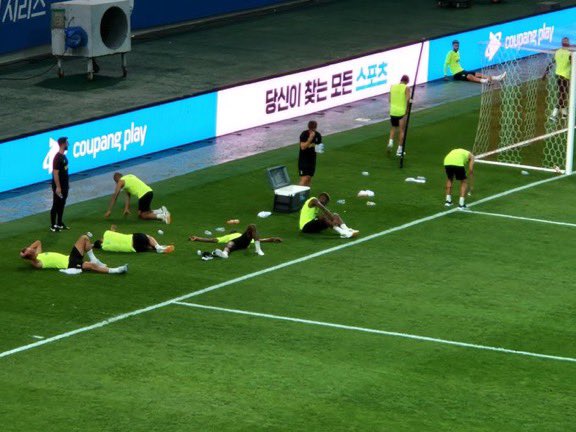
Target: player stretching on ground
{"type": "Point", "coordinates": [237, 241]}
{"type": "Point", "coordinates": [455, 166]}
{"type": "Point", "coordinates": [315, 218]}
{"type": "Point", "coordinates": [459, 74]}
{"type": "Point", "coordinates": [73, 263]}
{"type": "Point", "coordinates": [113, 241]}
{"type": "Point", "coordinates": [132, 185]}
{"type": "Point", "coordinates": [399, 100]}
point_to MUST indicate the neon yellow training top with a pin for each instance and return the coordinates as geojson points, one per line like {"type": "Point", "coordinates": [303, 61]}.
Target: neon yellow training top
{"type": "Point", "coordinates": [457, 157]}
{"type": "Point", "coordinates": [134, 186]}
{"type": "Point", "coordinates": [53, 260]}
{"type": "Point", "coordinates": [117, 242]}
{"type": "Point", "coordinates": [453, 62]}
{"type": "Point", "coordinates": [229, 237]}
{"type": "Point", "coordinates": [562, 60]}
{"type": "Point", "coordinates": [398, 100]}
{"type": "Point", "coordinates": [308, 213]}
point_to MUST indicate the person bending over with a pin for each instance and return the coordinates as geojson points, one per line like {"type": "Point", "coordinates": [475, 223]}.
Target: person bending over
{"type": "Point", "coordinates": [132, 185]}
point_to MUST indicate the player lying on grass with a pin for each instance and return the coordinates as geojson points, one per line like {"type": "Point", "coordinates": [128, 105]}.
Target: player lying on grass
{"type": "Point", "coordinates": [237, 241]}
{"type": "Point", "coordinates": [452, 63]}
{"type": "Point", "coordinates": [315, 218]}
{"type": "Point", "coordinates": [113, 241]}
{"type": "Point", "coordinates": [132, 185]}
{"type": "Point", "coordinates": [73, 263]}
{"type": "Point", "coordinates": [455, 164]}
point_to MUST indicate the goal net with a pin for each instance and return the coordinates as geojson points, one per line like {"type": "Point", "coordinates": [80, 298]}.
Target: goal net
{"type": "Point", "coordinates": [524, 119]}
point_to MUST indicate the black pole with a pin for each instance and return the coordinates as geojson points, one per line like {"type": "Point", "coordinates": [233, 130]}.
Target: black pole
{"type": "Point", "coordinates": [410, 105]}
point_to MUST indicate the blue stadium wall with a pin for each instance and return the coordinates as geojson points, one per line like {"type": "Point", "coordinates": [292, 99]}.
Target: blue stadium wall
{"type": "Point", "coordinates": [26, 23]}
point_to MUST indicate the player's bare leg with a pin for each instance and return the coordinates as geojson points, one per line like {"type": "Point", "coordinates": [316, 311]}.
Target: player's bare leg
{"type": "Point", "coordinates": [154, 245]}
{"type": "Point", "coordinates": [400, 148]}
{"type": "Point", "coordinates": [448, 202]}
{"type": "Point", "coordinates": [84, 246]}
{"type": "Point", "coordinates": [305, 180]}
{"type": "Point", "coordinates": [391, 139]}
{"type": "Point", "coordinates": [463, 189]}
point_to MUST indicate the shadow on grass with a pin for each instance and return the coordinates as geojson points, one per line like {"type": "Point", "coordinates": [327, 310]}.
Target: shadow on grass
{"type": "Point", "coordinates": [79, 82]}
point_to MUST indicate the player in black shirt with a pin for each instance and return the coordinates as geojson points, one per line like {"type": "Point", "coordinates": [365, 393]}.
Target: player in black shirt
{"type": "Point", "coordinates": [60, 186]}
{"type": "Point", "coordinates": [309, 139]}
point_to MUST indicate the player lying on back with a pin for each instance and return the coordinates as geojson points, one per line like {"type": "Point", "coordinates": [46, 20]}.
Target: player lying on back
{"type": "Point", "coordinates": [315, 218]}
{"type": "Point", "coordinates": [113, 241]}
{"type": "Point", "coordinates": [237, 241]}
{"type": "Point", "coordinates": [132, 185]}
{"type": "Point", "coordinates": [73, 263]}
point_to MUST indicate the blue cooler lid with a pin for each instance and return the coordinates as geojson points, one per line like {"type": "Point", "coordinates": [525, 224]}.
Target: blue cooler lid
{"type": "Point", "coordinates": [278, 177]}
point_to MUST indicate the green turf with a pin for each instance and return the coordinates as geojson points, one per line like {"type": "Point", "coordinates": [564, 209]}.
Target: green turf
{"type": "Point", "coordinates": [463, 277]}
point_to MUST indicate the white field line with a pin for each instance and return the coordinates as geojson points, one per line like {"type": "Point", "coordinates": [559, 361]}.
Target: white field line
{"type": "Point", "coordinates": [551, 222]}
{"type": "Point", "coordinates": [136, 312]}
{"type": "Point", "coordinates": [380, 332]}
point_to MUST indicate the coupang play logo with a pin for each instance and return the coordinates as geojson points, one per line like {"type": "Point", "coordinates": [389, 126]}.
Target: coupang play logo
{"type": "Point", "coordinates": [534, 38]}
{"type": "Point", "coordinates": [118, 141]}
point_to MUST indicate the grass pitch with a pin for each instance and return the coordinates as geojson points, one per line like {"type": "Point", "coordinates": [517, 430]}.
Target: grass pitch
{"type": "Point", "coordinates": [459, 276]}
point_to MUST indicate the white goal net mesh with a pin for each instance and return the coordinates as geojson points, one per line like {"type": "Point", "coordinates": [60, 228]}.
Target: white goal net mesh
{"type": "Point", "coordinates": [518, 124]}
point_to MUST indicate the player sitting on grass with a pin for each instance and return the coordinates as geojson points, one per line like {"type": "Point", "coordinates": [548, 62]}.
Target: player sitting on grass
{"type": "Point", "coordinates": [132, 185]}
{"type": "Point", "coordinates": [71, 264]}
{"type": "Point", "coordinates": [237, 241]}
{"type": "Point", "coordinates": [455, 166]}
{"type": "Point", "coordinates": [113, 241]}
{"type": "Point", "coordinates": [315, 218]}
{"type": "Point", "coordinates": [452, 63]}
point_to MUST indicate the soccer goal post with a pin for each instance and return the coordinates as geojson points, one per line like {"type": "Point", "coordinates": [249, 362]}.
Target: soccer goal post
{"type": "Point", "coordinates": [527, 119]}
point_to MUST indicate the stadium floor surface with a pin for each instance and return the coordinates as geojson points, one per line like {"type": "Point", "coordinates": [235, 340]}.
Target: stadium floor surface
{"type": "Point", "coordinates": [176, 64]}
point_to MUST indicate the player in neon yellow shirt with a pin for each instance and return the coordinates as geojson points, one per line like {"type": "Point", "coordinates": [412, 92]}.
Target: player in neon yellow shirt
{"type": "Point", "coordinates": [452, 65]}
{"type": "Point", "coordinates": [399, 102]}
{"type": "Point", "coordinates": [235, 241]}
{"type": "Point", "coordinates": [132, 185]}
{"type": "Point", "coordinates": [315, 218]}
{"type": "Point", "coordinates": [455, 164]}
{"type": "Point", "coordinates": [563, 62]}
{"type": "Point", "coordinates": [113, 241]}
{"type": "Point", "coordinates": [71, 264]}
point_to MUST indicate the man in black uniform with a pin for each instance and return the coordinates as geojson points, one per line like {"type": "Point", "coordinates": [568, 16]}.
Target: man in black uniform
{"type": "Point", "coordinates": [60, 186]}
{"type": "Point", "coordinates": [309, 139]}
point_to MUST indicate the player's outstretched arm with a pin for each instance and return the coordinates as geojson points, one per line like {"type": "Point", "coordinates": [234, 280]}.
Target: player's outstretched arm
{"type": "Point", "coordinates": [203, 239]}
{"type": "Point", "coordinates": [117, 190]}
{"type": "Point", "coordinates": [126, 204]}
{"type": "Point", "coordinates": [271, 240]}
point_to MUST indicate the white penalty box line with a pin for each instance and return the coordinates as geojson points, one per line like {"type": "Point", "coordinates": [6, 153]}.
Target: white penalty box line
{"type": "Point", "coordinates": [379, 332]}
{"type": "Point", "coordinates": [258, 273]}
{"type": "Point", "coordinates": [522, 218]}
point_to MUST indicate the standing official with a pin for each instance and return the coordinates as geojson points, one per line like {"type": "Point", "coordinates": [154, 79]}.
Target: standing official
{"type": "Point", "coordinates": [60, 186]}
{"type": "Point", "coordinates": [399, 99]}
{"type": "Point", "coordinates": [310, 144]}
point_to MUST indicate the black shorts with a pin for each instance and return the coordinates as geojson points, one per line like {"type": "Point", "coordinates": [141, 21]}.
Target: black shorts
{"type": "Point", "coordinates": [241, 242]}
{"type": "Point", "coordinates": [145, 202]}
{"type": "Point", "coordinates": [395, 120]}
{"type": "Point", "coordinates": [75, 259]}
{"type": "Point", "coordinates": [306, 170]}
{"type": "Point", "coordinates": [140, 242]}
{"type": "Point", "coordinates": [315, 226]}
{"type": "Point", "coordinates": [455, 171]}
{"type": "Point", "coordinates": [462, 75]}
